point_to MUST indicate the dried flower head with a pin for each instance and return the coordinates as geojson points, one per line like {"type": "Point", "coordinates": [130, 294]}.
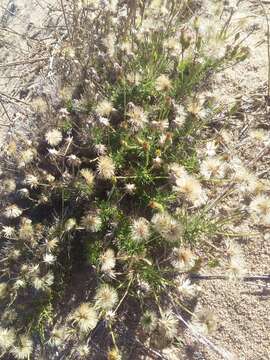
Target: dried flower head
{"type": "Point", "coordinates": [208, 320]}
{"type": "Point", "coordinates": [100, 149]}
{"type": "Point", "coordinates": [191, 189]}
{"type": "Point", "coordinates": [106, 167]}
{"type": "Point", "coordinates": [176, 171]}
{"type": "Point", "coordinates": [104, 108]}
{"type": "Point", "coordinates": [7, 338]}
{"type": "Point", "coordinates": [106, 297]}
{"type": "Point", "coordinates": [168, 227]}
{"type": "Point", "coordinates": [53, 137]}
{"type": "Point", "coordinates": [26, 230]}
{"type": "Point", "coordinates": [82, 350]}
{"type": "Point", "coordinates": [8, 186]}
{"type": "Point", "coordinates": [140, 229]}
{"type": "Point", "coordinates": [3, 290]}
{"type": "Point", "coordinates": [260, 209]}
{"type": "Point", "coordinates": [237, 267]}
{"type": "Point", "coordinates": [183, 259]}
{"type": "Point", "coordinates": [180, 117]}
{"type": "Point", "coordinates": [27, 156]}
{"type": "Point", "coordinates": [12, 211]}
{"type": "Point", "coordinates": [212, 167]}
{"type": "Point", "coordinates": [23, 348]}
{"type": "Point", "coordinates": [88, 175]}
{"type": "Point", "coordinates": [149, 321]}
{"type": "Point", "coordinates": [168, 324]}
{"type": "Point", "coordinates": [8, 231]}
{"type": "Point", "coordinates": [91, 222]}
{"type": "Point", "coordinates": [31, 180]}
{"type": "Point", "coordinates": [58, 336]}
{"type": "Point", "coordinates": [130, 188]}
{"type": "Point", "coordinates": [85, 317]}
{"type": "Point", "coordinates": [185, 288]}
{"type": "Point", "coordinates": [163, 83]}
{"type": "Point", "coordinates": [114, 354]}
{"type": "Point", "coordinates": [107, 260]}
{"type": "Point", "coordinates": [137, 117]}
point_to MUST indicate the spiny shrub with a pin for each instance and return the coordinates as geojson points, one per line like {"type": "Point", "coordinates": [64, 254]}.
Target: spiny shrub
{"type": "Point", "coordinates": [101, 215]}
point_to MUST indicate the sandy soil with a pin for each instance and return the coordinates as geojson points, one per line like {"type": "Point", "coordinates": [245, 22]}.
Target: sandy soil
{"type": "Point", "coordinates": [26, 32]}
{"type": "Point", "coordinates": [242, 309]}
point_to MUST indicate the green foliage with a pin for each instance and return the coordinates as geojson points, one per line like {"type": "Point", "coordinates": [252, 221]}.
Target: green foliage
{"type": "Point", "coordinates": [134, 216]}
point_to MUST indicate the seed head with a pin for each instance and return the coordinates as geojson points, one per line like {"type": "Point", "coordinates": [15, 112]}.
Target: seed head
{"type": "Point", "coordinates": [106, 297]}
{"type": "Point", "coordinates": [106, 167]}
{"type": "Point", "coordinates": [53, 137]}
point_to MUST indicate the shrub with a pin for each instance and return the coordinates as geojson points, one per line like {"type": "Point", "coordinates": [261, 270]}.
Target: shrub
{"type": "Point", "coordinates": [103, 212]}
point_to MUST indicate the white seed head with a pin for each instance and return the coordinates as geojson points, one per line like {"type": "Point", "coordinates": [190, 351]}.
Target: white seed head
{"type": "Point", "coordinates": [104, 108]}
{"type": "Point", "coordinates": [91, 222]}
{"type": "Point", "coordinates": [106, 167]}
{"type": "Point", "coordinates": [163, 83]}
{"type": "Point", "coordinates": [23, 348]}
{"type": "Point", "coordinates": [108, 260]}
{"type": "Point", "coordinates": [53, 137]}
{"type": "Point", "coordinates": [88, 175]}
{"type": "Point", "coordinates": [140, 229]}
{"type": "Point", "coordinates": [7, 338]}
{"type": "Point", "coordinates": [12, 211]}
{"type": "Point", "coordinates": [106, 297]}
{"type": "Point", "coordinates": [85, 317]}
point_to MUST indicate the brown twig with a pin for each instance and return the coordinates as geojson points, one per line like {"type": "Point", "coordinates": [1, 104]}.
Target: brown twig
{"type": "Point", "coordinates": [13, 99]}
{"type": "Point", "coordinates": [224, 277]}
{"type": "Point", "coordinates": [15, 63]}
{"type": "Point", "coordinates": [65, 19]}
{"type": "Point", "coordinates": [5, 111]}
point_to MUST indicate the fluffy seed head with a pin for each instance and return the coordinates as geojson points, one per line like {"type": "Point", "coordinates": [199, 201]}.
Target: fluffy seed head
{"type": "Point", "coordinates": [7, 338]}
{"type": "Point", "coordinates": [163, 83]}
{"type": "Point", "coordinates": [237, 267]}
{"type": "Point", "coordinates": [140, 229]}
{"type": "Point", "coordinates": [183, 259]}
{"type": "Point", "coordinates": [149, 321]}
{"type": "Point", "coordinates": [260, 209]}
{"type": "Point", "coordinates": [12, 212]}
{"type": "Point", "coordinates": [191, 189]}
{"type": "Point", "coordinates": [185, 288]}
{"type": "Point", "coordinates": [91, 222]}
{"type": "Point", "coordinates": [104, 108]}
{"type": "Point", "coordinates": [106, 297]}
{"type": "Point", "coordinates": [85, 316]}
{"type": "Point", "coordinates": [167, 325]}
{"type": "Point", "coordinates": [8, 186]}
{"type": "Point", "coordinates": [58, 336]}
{"type": "Point", "coordinates": [168, 227]}
{"type": "Point", "coordinates": [137, 117]}
{"type": "Point", "coordinates": [108, 260]}
{"type": "Point", "coordinates": [53, 137]}
{"type": "Point", "coordinates": [212, 167]}
{"type": "Point", "coordinates": [24, 348]}
{"type": "Point", "coordinates": [88, 175]}
{"type": "Point", "coordinates": [31, 180]}
{"type": "Point", "coordinates": [27, 156]}
{"type": "Point", "coordinates": [8, 231]}
{"type": "Point", "coordinates": [106, 167]}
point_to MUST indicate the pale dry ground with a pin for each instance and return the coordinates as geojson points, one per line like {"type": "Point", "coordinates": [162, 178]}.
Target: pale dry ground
{"type": "Point", "coordinates": [27, 29]}
{"type": "Point", "coordinates": [242, 309]}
